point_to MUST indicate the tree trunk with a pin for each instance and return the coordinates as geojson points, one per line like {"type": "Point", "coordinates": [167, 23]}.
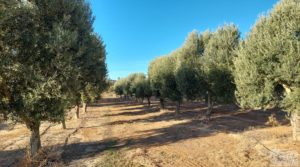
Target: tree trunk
{"type": "Point", "coordinates": [77, 111]}
{"type": "Point", "coordinates": [63, 121]}
{"type": "Point", "coordinates": [142, 100]}
{"type": "Point", "coordinates": [209, 105]}
{"type": "Point", "coordinates": [149, 102]}
{"type": "Point", "coordinates": [178, 107]}
{"type": "Point", "coordinates": [35, 141]}
{"type": "Point", "coordinates": [5, 116]}
{"type": "Point", "coordinates": [295, 122]}
{"type": "Point", "coordinates": [295, 117]}
{"type": "Point", "coordinates": [84, 106]}
{"type": "Point", "coordinates": [162, 103]}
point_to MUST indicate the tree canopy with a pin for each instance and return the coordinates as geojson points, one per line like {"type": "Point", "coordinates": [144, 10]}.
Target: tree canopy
{"type": "Point", "coordinates": [49, 53]}
{"type": "Point", "coordinates": [267, 68]}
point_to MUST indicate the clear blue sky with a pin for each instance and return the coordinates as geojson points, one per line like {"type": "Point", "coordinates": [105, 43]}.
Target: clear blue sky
{"type": "Point", "coordinates": [137, 31]}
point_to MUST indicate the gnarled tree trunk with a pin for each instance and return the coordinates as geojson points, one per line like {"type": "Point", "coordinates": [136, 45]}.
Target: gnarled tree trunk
{"type": "Point", "coordinates": [35, 141]}
{"type": "Point", "coordinates": [295, 117]}
{"type": "Point", "coordinates": [178, 107]}
{"type": "Point", "coordinates": [63, 121]}
{"type": "Point", "coordinates": [142, 100]}
{"type": "Point", "coordinates": [5, 116]}
{"type": "Point", "coordinates": [295, 122]}
{"type": "Point", "coordinates": [149, 102]}
{"type": "Point", "coordinates": [162, 103]}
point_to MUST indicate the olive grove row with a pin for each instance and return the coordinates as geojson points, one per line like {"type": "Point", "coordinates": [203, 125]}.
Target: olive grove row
{"type": "Point", "coordinates": [260, 71]}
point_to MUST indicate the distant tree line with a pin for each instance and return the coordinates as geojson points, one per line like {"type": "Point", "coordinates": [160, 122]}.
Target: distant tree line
{"type": "Point", "coordinates": [51, 61]}
{"type": "Point", "coordinates": [259, 72]}
{"type": "Point", "coordinates": [135, 85]}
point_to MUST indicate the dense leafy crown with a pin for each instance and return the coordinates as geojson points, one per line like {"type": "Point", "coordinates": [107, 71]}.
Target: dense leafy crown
{"type": "Point", "coordinates": [48, 52]}
{"type": "Point", "coordinates": [217, 62]}
{"type": "Point", "coordinates": [267, 68]}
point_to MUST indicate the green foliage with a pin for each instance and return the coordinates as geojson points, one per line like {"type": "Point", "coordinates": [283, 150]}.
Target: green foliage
{"type": "Point", "coordinates": [141, 87]}
{"type": "Point", "coordinates": [267, 69]}
{"type": "Point", "coordinates": [94, 76]}
{"type": "Point", "coordinates": [188, 73]}
{"type": "Point", "coordinates": [190, 79]}
{"type": "Point", "coordinates": [135, 84]}
{"type": "Point", "coordinates": [154, 76]}
{"type": "Point", "coordinates": [49, 55]}
{"type": "Point", "coordinates": [217, 62]}
{"type": "Point", "coordinates": [203, 64]}
{"type": "Point", "coordinates": [118, 87]}
{"type": "Point", "coordinates": [162, 78]}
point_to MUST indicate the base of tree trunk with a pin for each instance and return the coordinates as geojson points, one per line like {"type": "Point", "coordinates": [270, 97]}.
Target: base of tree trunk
{"type": "Point", "coordinates": [149, 102]}
{"type": "Point", "coordinates": [64, 123]}
{"type": "Point", "coordinates": [35, 141]}
{"type": "Point", "coordinates": [162, 103]}
{"type": "Point", "coordinates": [77, 111]}
{"type": "Point", "coordinates": [5, 117]}
{"type": "Point", "coordinates": [295, 122]}
{"type": "Point", "coordinates": [209, 106]}
{"type": "Point", "coordinates": [178, 108]}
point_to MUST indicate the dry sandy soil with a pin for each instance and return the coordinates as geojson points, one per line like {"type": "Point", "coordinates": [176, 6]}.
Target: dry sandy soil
{"type": "Point", "coordinates": [130, 134]}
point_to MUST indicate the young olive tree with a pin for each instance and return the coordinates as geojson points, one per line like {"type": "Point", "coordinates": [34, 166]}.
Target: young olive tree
{"type": "Point", "coordinates": [162, 76]}
{"type": "Point", "coordinates": [267, 68]}
{"type": "Point", "coordinates": [118, 87]}
{"type": "Point", "coordinates": [142, 88]}
{"type": "Point", "coordinates": [154, 70]}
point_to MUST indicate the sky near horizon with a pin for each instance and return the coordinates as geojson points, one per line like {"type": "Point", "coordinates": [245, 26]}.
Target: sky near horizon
{"type": "Point", "coordinates": [137, 31]}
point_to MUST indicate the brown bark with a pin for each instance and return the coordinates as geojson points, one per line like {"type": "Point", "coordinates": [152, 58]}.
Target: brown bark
{"type": "Point", "coordinates": [35, 141]}
{"type": "Point", "coordinates": [5, 116]}
{"type": "Point", "coordinates": [149, 102]}
{"type": "Point", "coordinates": [162, 103]}
{"type": "Point", "coordinates": [295, 117]}
{"type": "Point", "coordinates": [178, 107]}
{"type": "Point", "coordinates": [64, 123]}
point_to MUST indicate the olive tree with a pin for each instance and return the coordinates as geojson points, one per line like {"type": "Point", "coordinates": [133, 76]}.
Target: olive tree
{"type": "Point", "coordinates": [41, 43]}
{"type": "Point", "coordinates": [217, 65]}
{"type": "Point", "coordinates": [142, 88]}
{"type": "Point", "coordinates": [267, 69]}
{"type": "Point", "coordinates": [162, 77]}
{"type": "Point", "coordinates": [118, 87]}
{"type": "Point", "coordinates": [94, 73]}
{"type": "Point", "coordinates": [189, 75]}
{"type": "Point", "coordinates": [154, 79]}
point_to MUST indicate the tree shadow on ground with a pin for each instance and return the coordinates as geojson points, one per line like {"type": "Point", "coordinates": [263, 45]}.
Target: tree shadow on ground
{"type": "Point", "coordinates": [74, 151]}
{"type": "Point", "coordinates": [192, 111]}
{"type": "Point", "coordinates": [6, 160]}
{"type": "Point", "coordinates": [142, 111]}
{"type": "Point", "coordinates": [225, 119]}
{"type": "Point", "coordinates": [4, 126]}
{"type": "Point", "coordinates": [77, 151]}
{"type": "Point", "coordinates": [196, 128]}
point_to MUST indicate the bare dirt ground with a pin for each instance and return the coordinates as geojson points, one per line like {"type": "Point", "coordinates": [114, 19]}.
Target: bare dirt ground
{"type": "Point", "coordinates": [130, 134]}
